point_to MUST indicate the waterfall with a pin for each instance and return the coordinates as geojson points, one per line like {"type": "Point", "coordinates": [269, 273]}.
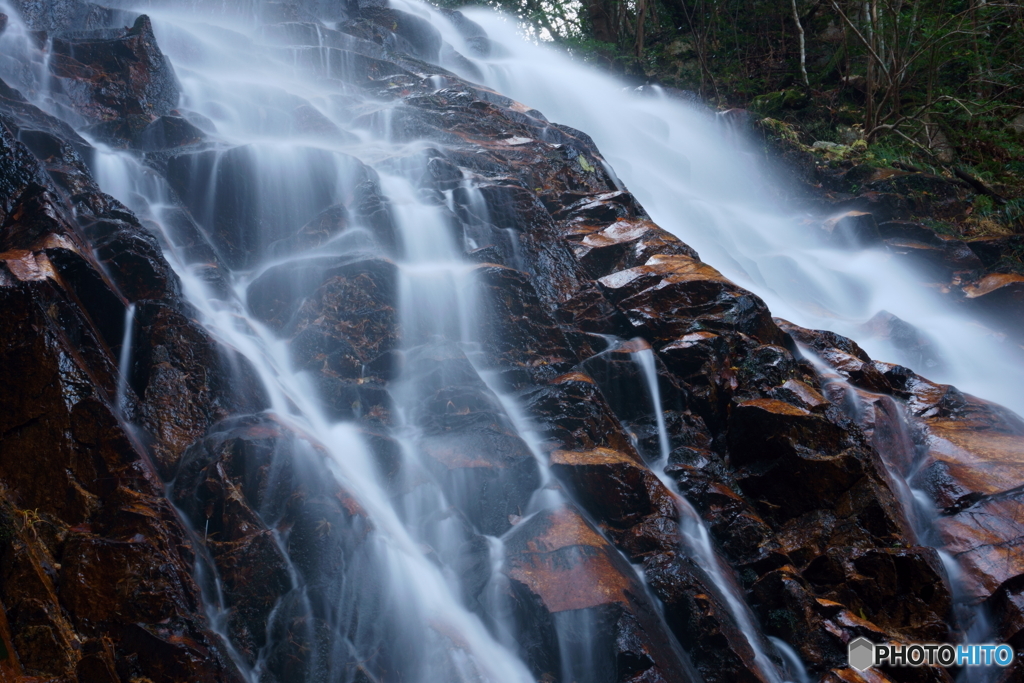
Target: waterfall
{"type": "Point", "coordinates": [401, 478]}
{"type": "Point", "coordinates": [712, 194]}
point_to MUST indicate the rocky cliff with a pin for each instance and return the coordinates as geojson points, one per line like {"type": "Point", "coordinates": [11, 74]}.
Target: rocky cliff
{"type": "Point", "coordinates": [133, 490]}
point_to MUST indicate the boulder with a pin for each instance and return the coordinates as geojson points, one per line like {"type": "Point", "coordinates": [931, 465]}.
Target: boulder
{"type": "Point", "coordinates": [851, 230]}
{"type": "Point", "coordinates": [603, 628]}
{"type": "Point", "coordinates": [672, 296]}
{"type": "Point", "coordinates": [999, 299]}
{"type": "Point", "coordinates": [117, 80]}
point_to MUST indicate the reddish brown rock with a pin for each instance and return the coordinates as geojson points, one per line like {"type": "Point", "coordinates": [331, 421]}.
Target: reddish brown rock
{"type": "Point", "coordinates": [966, 463]}
{"type": "Point", "coordinates": [613, 486]}
{"type": "Point", "coordinates": [669, 296]}
{"type": "Point", "coordinates": [117, 79]}
{"type": "Point", "coordinates": [104, 548]}
{"type": "Point", "coordinates": [547, 559]}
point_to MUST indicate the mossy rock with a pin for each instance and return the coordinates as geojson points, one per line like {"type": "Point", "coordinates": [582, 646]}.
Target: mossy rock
{"type": "Point", "coordinates": [771, 104]}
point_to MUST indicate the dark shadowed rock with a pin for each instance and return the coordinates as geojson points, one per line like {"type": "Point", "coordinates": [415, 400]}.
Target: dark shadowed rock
{"type": "Point", "coordinates": [699, 617]}
{"type": "Point", "coordinates": [116, 80]}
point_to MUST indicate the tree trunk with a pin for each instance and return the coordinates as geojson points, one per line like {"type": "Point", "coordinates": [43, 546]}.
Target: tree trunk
{"type": "Point", "coordinates": [641, 15]}
{"type": "Point", "coordinates": [803, 45]}
{"type": "Point", "coordinates": [601, 21]}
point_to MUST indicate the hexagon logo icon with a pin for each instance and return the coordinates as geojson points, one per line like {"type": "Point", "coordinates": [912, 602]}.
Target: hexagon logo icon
{"type": "Point", "coordinates": [862, 654]}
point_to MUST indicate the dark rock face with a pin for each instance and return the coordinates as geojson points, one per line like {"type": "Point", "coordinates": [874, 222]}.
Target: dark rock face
{"type": "Point", "coordinates": [97, 570]}
{"type": "Point", "coordinates": [795, 473]}
{"type": "Point", "coordinates": [116, 80]}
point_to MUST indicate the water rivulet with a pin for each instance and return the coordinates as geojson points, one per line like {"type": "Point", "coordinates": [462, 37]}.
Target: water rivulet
{"type": "Point", "coordinates": [324, 362]}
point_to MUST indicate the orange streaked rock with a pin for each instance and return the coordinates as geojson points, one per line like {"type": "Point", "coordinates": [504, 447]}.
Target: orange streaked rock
{"type": "Point", "coordinates": [565, 562]}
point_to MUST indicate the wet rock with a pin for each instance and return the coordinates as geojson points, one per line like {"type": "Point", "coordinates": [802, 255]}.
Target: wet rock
{"type": "Point", "coordinates": [133, 259]}
{"type": "Point", "coordinates": [265, 504]}
{"type": "Point", "coordinates": [802, 395]}
{"type": "Point", "coordinates": [972, 474]}
{"type": "Point", "coordinates": [936, 256]}
{"type": "Point", "coordinates": [915, 347]}
{"type": "Point", "coordinates": [842, 354]}
{"type": "Point", "coordinates": [555, 611]}
{"type": "Point", "coordinates": [902, 588]}
{"type": "Point", "coordinates": [342, 327]}
{"type": "Point", "coordinates": [100, 554]}
{"type": "Point", "coordinates": [244, 206]}
{"type": "Point", "coordinates": [742, 535]}
{"type": "Point", "coordinates": [672, 296]}
{"type": "Point", "coordinates": [411, 34]}
{"type": "Point", "coordinates": [991, 250]}
{"type": "Point", "coordinates": [184, 382]}
{"type": "Point", "coordinates": [223, 484]}
{"type": "Point", "coordinates": [60, 15]}
{"type": "Point", "coordinates": [611, 486]}
{"type": "Point", "coordinates": [118, 80]}
{"type": "Point", "coordinates": [788, 609]}
{"type": "Point", "coordinates": [315, 233]}
{"type": "Point", "coordinates": [168, 132]}
{"type": "Point", "coordinates": [573, 414]}
{"type": "Point", "coordinates": [826, 468]}
{"type": "Point", "coordinates": [623, 245]}
{"type": "Point", "coordinates": [469, 444]}
{"type": "Point", "coordinates": [851, 230]}
{"type": "Point", "coordinates": [351, 66]}
{"type": "Point", "coordinates": [999, 297]}
{"type": "Point", "coordinates": [960, 449]}
{"type": "Point", "coordinates": [518, 333]}
{"type": "Point", "coordinates": [489, 474]}
{"type": "Point", "coordinates": [699, 617]}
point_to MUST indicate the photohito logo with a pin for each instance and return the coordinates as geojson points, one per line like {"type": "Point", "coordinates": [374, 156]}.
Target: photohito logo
{"type": "Point", "coordinates": [863, 654]}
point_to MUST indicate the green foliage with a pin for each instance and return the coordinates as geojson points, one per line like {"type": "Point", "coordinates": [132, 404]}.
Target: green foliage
{"type": "Point", "coordinates": [984, 205]}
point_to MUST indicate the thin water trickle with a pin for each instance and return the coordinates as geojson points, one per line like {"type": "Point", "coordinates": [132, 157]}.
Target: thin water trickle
{"type": "Point", "coordinates": [124, 362]}
{"type": "Point", "coordinates": [918, 507]}
{"type": "Point", "coordinates": [696, 534]}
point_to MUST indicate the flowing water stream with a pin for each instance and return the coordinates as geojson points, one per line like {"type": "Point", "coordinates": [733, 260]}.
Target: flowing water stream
{"type": "Point", "coordinates": [244, 86]}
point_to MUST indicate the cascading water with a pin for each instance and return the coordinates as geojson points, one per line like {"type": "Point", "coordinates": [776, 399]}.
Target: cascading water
{"type": "Point", "coordinates": [302, 180]}
{"type": "Point", "coordinates": [710, 194]}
